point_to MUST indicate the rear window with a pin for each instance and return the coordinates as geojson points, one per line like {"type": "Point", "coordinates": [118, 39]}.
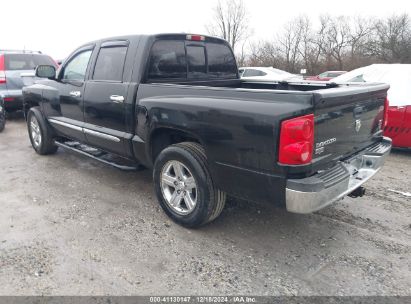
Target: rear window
{"type": "Point", "coordinates": [196, 62]}
{"type": "Point", "coordinates": [167, 60]}
{"type": "Point", "coordinates": [174, 59]}
{"type": "Point", "coordinates": [26, 61]}
{"type": "Point", "coordinates": [221, 61]}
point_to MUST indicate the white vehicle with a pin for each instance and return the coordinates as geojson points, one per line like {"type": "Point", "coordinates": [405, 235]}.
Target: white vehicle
{"type": "Point", "coordinates": [265, 74]}
{"type": "Point", "coordinates": [398, 76]}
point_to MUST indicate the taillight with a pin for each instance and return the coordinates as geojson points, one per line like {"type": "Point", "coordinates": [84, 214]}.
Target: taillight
{"type": "Point", "coordinates": [2, 70]}
{"type": "Point", "coordinates": [297, 140]}
{"type": "Point", "coordinates": [385, 117]}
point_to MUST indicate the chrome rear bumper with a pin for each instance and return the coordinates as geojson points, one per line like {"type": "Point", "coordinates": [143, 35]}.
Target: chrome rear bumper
{"type": "Point", "coordinates": [322, 189]}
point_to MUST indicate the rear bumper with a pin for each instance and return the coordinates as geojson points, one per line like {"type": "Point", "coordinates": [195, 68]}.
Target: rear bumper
{"type": "Point", "coordinates": [322, 189]}
{"type": "Point", "coordinates": [13, 99]}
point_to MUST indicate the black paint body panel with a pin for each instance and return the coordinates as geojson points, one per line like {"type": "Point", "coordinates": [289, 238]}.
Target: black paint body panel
{"type": "Point", "coordinates": [238, 123]}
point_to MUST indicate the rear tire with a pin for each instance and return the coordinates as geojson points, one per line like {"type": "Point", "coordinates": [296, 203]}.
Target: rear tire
{"type": "Point", "coordinates": [40, 133]}
{"type": "Point", "coordinates": [184, 186]}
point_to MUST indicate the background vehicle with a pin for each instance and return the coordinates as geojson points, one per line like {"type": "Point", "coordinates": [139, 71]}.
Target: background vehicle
{"type": "Point", "coordinates": [326, 75]}
{"type": "Point", "coordinates": [175, 103]}
{"type": "Point", "coordinates": [265, 74]}
{"type": "Point", "coordinates": [398, 76]}
{"type": "Point", "coordinates": [2, 115]}
{"type": "Point", "coordinates": [16, 71]}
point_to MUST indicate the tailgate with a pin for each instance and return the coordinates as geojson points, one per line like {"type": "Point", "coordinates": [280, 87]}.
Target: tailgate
{"type": "Point", "coordinates": [347, 119]}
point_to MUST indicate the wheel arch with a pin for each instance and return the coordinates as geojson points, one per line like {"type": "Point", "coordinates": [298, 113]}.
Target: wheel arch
{"type": "Point", "coordinates": [31, 99]}
{"type": "Point", "coordinates": [162, 137]}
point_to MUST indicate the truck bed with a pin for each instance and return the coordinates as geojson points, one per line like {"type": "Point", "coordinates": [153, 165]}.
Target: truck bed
{"type": "Point", "coordinates": [337, 110]}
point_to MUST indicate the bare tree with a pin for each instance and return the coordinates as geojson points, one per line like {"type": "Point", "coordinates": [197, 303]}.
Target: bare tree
{"type": "Point", "coordinates": [264, 53]}
{"type": "Point", "coordinates": [230, 22]}
{"type": "Point", "coordinates": [337, 34]}
{"type": "Point", "coordinates": [289, 42]}
{"type": "Point", "coordinates": [340, 42]}
{"type": "Point", "coordinates": [393, 39]}
{"type": "Point", "coordinates": [311, 45]}
{"type": "Point", "coordinates": [361, 36]}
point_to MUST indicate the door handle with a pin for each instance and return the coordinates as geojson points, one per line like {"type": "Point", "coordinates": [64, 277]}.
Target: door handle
{"type": "Point", "coordinates": [75, 93]}
{"type": "Point", "coordinates": [117, 98]}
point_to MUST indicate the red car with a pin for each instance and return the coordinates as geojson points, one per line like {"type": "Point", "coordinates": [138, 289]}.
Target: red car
{"type": "Point", "coordinates": [399, 126]}
{"type": "Point", "coordinates": [398, 76]}
{"type": "Point", "coordinates": [326, 75]}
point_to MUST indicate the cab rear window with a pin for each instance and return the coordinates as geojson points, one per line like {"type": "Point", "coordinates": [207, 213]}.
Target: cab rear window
{"type": "Point", "coordinates": [26, 61]}
{"type": "Point", "coordinates": [167, 60]}
{"type": "Point", "coordinates": [221, 62]}
{"type": "Point", "coordinates": [177, 59]}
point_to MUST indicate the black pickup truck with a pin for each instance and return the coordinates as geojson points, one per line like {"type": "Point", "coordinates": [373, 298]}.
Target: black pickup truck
{"type": "Point", "coordinates": [175, 103]}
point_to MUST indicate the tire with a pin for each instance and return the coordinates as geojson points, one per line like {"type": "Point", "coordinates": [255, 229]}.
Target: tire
{"type": "Point", "coordinates": [2, 116]}
{"type": "Point", "coordinates": [192, 207]}
{"type": "Point", "coordinates": [40, 133]}
{"type": "Point", "coordinates": [2, 122]}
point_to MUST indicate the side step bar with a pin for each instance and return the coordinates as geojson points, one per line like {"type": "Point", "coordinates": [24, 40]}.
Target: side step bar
{"type": "Point", "coordinates": [99, 155]}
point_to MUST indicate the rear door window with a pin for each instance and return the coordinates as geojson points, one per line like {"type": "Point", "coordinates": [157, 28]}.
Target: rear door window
{"type": "Point", "coordinates": [26, 61]}
{"type": "Point", "coordinates": [110, 63]}
{"type": "Point", "coordinates": [196, 61]}
{"type": "Point", "coordinates": [167, 60]}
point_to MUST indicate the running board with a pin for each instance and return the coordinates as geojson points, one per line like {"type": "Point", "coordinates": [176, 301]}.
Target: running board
{"type": "Point", "coordinates": [99, 155]}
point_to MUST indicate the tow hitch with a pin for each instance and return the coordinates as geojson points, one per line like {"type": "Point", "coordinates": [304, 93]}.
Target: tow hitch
{"type": "Point", "coordinates": [359, 192]}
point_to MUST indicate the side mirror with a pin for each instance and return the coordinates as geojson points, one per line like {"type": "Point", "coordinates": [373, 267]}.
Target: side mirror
{"type": "Point", "coordinates": [46, 71]}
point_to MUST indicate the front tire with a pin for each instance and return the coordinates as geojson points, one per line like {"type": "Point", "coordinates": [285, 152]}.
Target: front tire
{"type": "Point", "coordinates": [40, 133]}
{"type": "Point", "coordinates": [184, 186]}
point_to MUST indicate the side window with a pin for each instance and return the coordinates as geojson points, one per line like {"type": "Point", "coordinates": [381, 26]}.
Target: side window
{"type": "Point", "coordinates": [253, 73]}
{"type": "Point", "coordinates": [167, 60]}
{"type": "Point", "coordinates": [333, 74]}
{"type": "Point", "coordinates": [359, 78]}
{"type": "Point", "coordinates": [196, 62]}
{"type": "Point", "coordinates": [247, 73]}
{"type": "Point", "coordinates": [77, 66]}
{"type": "Point", "coordinates": [110, 63]}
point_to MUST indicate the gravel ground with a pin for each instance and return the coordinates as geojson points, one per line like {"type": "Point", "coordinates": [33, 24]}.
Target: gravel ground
{"type": "Point", "coordinates": [72, 226]}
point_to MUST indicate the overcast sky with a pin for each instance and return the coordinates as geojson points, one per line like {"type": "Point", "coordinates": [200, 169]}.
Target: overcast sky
{"type": "Point", "coordinates": [57, 27]}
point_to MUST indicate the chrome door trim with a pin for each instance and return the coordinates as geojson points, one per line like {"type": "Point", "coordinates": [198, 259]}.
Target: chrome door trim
{"type": "Point", "coordinates": [84, 130]}
{"type": "Point", "coordinates": [65, 124]}
{"type": "Point", "coordinates": [101, 135]}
